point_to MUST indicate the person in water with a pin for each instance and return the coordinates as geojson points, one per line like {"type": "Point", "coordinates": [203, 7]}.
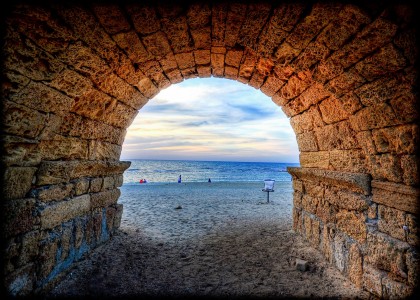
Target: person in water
{"type": "Point", "coordinates": [179, 179]}
{"type": "Point", "coordinates": [209, 180]}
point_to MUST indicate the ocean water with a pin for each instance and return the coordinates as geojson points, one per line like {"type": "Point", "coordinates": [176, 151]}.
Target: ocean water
{"type": "Point", "coordinates": [168, 171]}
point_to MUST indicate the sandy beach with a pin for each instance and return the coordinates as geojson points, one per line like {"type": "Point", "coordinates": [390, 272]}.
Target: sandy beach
{"type": "Point", "coordinates": [205, 239]}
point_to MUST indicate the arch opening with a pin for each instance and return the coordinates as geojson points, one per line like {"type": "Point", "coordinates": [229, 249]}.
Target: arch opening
{"type": "Point", "coordinates": [75, 77]}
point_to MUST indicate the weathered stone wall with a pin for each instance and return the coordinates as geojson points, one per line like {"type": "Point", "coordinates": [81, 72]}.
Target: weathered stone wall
{"type": "Point", "coordinates": [75, 77]}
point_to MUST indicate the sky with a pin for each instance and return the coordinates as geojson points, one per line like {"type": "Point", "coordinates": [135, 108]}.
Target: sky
{"type": "Point", "coordinates": [211, 119]}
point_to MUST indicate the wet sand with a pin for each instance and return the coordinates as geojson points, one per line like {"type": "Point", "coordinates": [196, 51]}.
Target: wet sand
{"type": "Point", "coordinates": [205, 239]}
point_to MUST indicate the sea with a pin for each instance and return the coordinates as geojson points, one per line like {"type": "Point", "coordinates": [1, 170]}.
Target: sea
{"type": "Point", "coordinates": [168, 171]}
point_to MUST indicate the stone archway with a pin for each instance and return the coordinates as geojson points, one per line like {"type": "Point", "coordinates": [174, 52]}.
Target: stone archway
{"type": "Point", "coordinates": [75, 77]}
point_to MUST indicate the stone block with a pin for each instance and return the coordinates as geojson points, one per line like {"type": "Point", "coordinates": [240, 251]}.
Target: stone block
{"type": "Point", "coordinates": [338, 136]}
{"type": "Point", "coordinates": [177, 31]}
{"type": "Point", "coordinates": [85, 61]}
{"type": "Point", "coordinates": [203, 71]}
{"type": "Point", "coordinates": [111, 17]}
{"type": "Point", "coordinates": [298, 185]}
{"type": "Point", "coordinates": [185, 60]}
{"type": "Point", "coordinates": [311, 55]}
{"type": "Point", "coordinates": [332, 110]}
{"type": "Point", "coordinates": [309, 203]}
{"type": "Point", "coordinates": [20, 151]}
{"type": "Point", "coordinates": [410, 168]}
{"type": "Point", "coordinates": [285, 53]}
{"type": "Point", "coordinates": [325, 211]}
{"type": "Point", "coordinates": [372, 279]}
{"type": "Point", "coordinates": [355, 266]}
{"type": "Point", "coordinates": [218, 21]}
{"type": "Point", "coordinates": [271, 85]}
{"type": "Point", "coordinates": [144, 18]}
{"type": "Point", "coordinates": [71, 83]}
{"type": "Point", "coordinates": [345, 25]}
{"type": "Point", "coordinates": [359, 183]}
{"type": "Point", "coordinates": [378, 91]}
{"type": "Point", "coordinates": [192, 73]}
{"type": "Point", "coordinates": [307, 141]}
{"type": "Point", "coordinates": [15, 113]}
{"type": "Point", "coordinates": [104, 199]}
{"type": "Point", "coordinates": [199, 15]}
{"type": "Point", "coordinates": [387, 60]}
{"type": "Point", "coordinates": [345, 83]}
{"type": "Point", "coordinates": [371, 117]}
{"type": "Point", "coordinates": [63, 148]}
{"type": "Point", "coordinates": [256, 16]}
{"type": "Point", "coordinates": [132, 45]}
{"type": "Point", "coordinates": [372, 37]}
{"type": "Point", "coordinates": [96, 185]}
{"type": "Point", "coordinates": [387, 253]}
{"type": "Point", "coordinates": [236, 13]}
{"type": "Point", "coordinates": [399, 196]}
{"type": "Point", "coordinates": [147, 87]}
{"type": "Point", "coordinates": [299, 83]}
{"type": "Point", "coordinates": [109, 183]}
{"type": "Point", "coordinates": [399, 139]}
{"type": "Point", "coordinates": [19, 216]}
{"type": "Point", "coordinates": [52, 172]}
{"type": "Point", "coordinates": [202, 57]}
{"type": "Point", "coordinates": [353, 224]}
{"type": "Point", "coordinates": [231, 72]}
{"type": "Point", "coordinates": [57, 213]}
{"type": "Point", "coordinates": [314, 189]}
{"type": "Point", "coordinates": [320, 159]}
{"type": "Point", "coordinates": [40, 97]}
{"type": "Point", "coordinates": [365, 140]}
{"type": "Point", "coordinates": [81, 186]}
{"type": "Point", "coordinates": [405, 107]}
{"type": "Point", "coordinates": [256, 80]}
{"type": "Point", "coordinates": [54, 192]}
{"type": "Point", "coordinates": [351, 103]}
{"type": "Point", "coordinates": [99, 150]}
{"type": "Point", "coordinates": [353, 161]}
{"type": "Point", "coordinates": [306, 121]}
{"type": "Point", "coordinates": [17, 181]}
{"type": "Point", "coordinates": [28, 59]}
{"type": "Point", "coordinates": [327, 70]}
{"type": "Point", "coordinates": [157, 44]}
{"type": "Point", "coordinates": [234, 57]}
{"type": "Point", "coordinates": [346, 199]}
{"type": "Point", "coordinates": [118, 180]}
{"type": "Point", "coordinates": [174, 76]}
{"type": "Point", "coordinates": [385, 167]}
{"type": "Point", "coordinates": [391, 221]}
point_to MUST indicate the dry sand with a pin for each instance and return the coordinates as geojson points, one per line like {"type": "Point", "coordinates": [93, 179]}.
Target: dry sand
{"type": "Point", "coordinates": [226, 240]}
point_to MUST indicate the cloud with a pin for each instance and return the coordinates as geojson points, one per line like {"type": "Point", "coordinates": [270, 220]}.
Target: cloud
{"type": "Point", "coordinates": [211, 119]}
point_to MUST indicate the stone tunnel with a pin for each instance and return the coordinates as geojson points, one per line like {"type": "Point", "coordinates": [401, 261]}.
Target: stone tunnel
{"type": "Point", "coordinates": [75, 76]}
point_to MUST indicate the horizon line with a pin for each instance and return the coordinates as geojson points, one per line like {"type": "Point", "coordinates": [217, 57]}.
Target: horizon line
{"type": "Point", "coordinates": [122, 159]}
